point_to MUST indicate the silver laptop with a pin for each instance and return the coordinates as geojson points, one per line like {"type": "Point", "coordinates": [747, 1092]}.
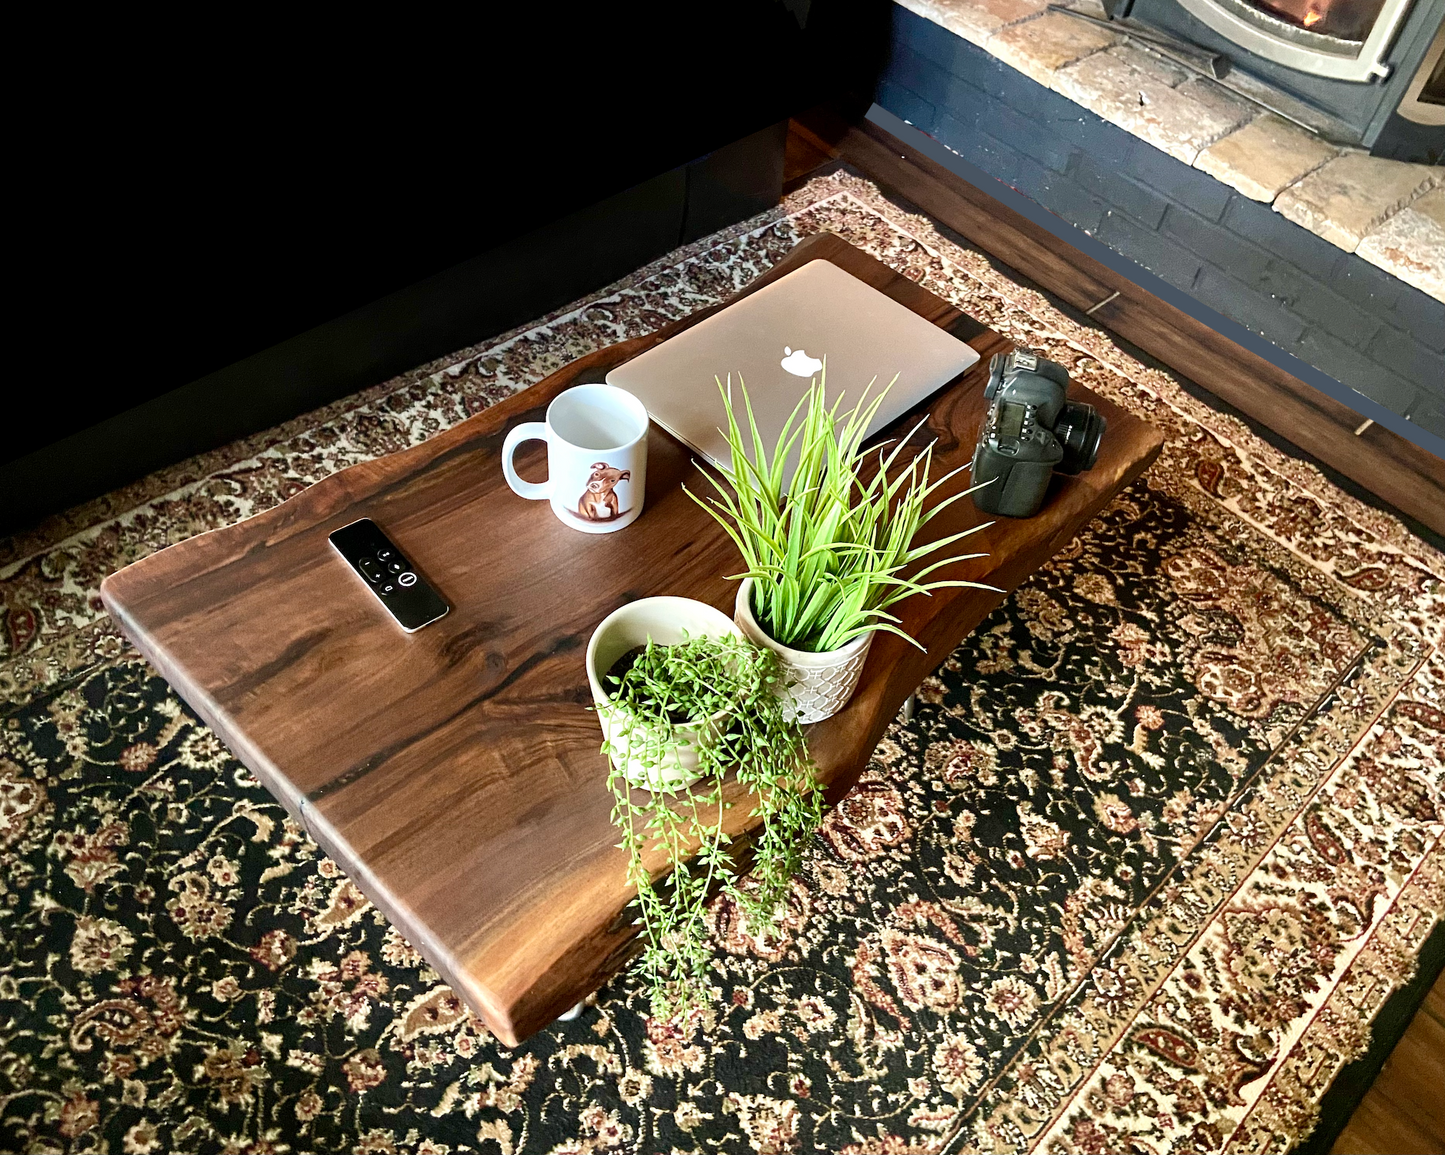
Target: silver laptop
{"type": "Point", "coordinates": [776, 341]}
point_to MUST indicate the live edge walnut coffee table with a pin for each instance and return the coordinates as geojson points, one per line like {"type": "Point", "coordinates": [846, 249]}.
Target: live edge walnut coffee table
{"type": "Point", "coordinates": [455, 773]}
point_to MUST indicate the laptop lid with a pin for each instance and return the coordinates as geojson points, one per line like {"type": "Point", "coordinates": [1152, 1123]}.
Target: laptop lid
{"type": "Point", "coordinates": [775, 340]}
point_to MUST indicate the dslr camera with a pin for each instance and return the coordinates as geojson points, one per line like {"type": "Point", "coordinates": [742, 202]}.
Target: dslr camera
{"type": "Point", "coordinates": [1031, 431]}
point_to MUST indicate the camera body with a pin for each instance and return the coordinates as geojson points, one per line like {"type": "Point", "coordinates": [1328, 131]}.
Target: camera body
{"type": "Point", "coordinates": [1032, 430]}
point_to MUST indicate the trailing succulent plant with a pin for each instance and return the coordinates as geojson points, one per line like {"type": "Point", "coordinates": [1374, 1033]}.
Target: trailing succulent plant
{"type": "Point", "coordinates": [717, 696]}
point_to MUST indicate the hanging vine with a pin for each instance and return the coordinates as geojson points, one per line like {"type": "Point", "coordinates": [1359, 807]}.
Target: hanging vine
{"type": "Point", "coordinates": [717, 697]}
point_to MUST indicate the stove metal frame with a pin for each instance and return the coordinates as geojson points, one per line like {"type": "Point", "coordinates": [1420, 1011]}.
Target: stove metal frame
{"type": "Point", "coordinates": [1295, 47]}
{"type": "Point", "coordinates": [1411, 106]}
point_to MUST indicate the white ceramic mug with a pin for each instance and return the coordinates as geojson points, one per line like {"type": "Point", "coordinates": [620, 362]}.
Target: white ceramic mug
{"type": "Point", "coordinates": [596, 439]}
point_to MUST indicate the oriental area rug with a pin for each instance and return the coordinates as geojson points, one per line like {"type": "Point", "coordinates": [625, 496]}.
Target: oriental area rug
{"type": "Point", "coordinates": [1161, 839]}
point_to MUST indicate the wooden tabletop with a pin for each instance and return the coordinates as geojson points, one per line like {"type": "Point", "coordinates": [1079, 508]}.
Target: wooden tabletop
{"type": "Point", "coordinates": [454, 773]}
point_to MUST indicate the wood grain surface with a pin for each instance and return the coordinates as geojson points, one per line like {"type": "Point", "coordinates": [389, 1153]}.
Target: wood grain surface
{"type": "Point", "coordinates": [454, 774]}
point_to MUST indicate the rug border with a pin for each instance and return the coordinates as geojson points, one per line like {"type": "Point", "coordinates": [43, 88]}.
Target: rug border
{"type": "Point", "coordinates": [1353, 1081]}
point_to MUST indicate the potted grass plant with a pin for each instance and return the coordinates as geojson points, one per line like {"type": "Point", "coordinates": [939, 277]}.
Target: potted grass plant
{"type": "Point", "coordinates": [830, 546]}
{"type": "Point", "coordinates": [685, 700]}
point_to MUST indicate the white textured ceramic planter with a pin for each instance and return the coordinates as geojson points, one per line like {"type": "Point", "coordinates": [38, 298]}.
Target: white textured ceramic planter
{"type": "Point", "coordinates": [667, 621]}
{"type": "Point", "coordinates": [822, 683]}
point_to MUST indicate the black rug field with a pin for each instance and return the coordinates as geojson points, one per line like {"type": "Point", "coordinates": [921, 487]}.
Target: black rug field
{"type": "Point", "coordinates": [1162, 839]}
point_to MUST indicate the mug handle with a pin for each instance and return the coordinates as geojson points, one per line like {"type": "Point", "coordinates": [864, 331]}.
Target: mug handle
{"type": "Point", "coordinates": [527, 431]}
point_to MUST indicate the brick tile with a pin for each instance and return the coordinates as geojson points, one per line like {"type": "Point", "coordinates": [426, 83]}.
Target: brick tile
{"type": "Point", "coordinates": [984, 70]}
{"type": "Point", "coordinates": [1029, 98]}
{"type": "Point", "coordinates": [1105, 182]}
{"type": "Point", "coordinates": [1429, 414]}
{"type": "Point", "coordinates": [914, 24]}
{"type": "Point", "coordinates": [1177, 266]}
{"type": "Point", "coordinates": [1350, 367]}
{"type": "Point", "coordinates": [976, 109]}
{"type": "Point", "coordinates": [921, 76]}
{"type": "Point", "coordinates": [1265, 157]}
{"type": "Point", "coordinates": [1105, 143]}
{"type": "Point", "coordinates": [1411, 244]}
{"type": "Point", "coordinates": [1134, 91]}
{"type": "Point", "coordinates": [1423, 316]}
{"type": "Point", "coordinates": [907, 105]}
{"type": "Point", "coordinates": [1369, 287]}
{"type": "Point", "coordinates": [1254, 311]}
{"type": "Point", "coordinates": [1150, 64]}
{"type": "Point", "coordinates": [1218, 101]}
{"type": "Point", "coordinates": [923, 9]}
{"type": "Point", "coordinates": [1040, 47]}
{"type": "Point", "coordinates": [1032, 140]}
{"type": "Point", "coordinates": [963, 94]}
{"type": "Point", "coordinates": [1300, 247]}
{"type": "Point", "coordinates": [1176, 180]}
{"type": "Point", "coordinates": [1280, 281]}
{"type": "Point", "coordinates": [977, 20]}
{"type": "Point", "coordinates": [1060, 195]}
{"type": "Point", "coordinates": [996, 119]}
{"type": "Point", "coordinates": [1317, 305]}
{"type": "Point", "coordinates": [1402, 354]}
{"type": "Point", "coordinates": [995, 158]}
{"type": "Point", "coordinates": [1351, 195]}
{"type": "Point", "coordinates": [1216, 244]}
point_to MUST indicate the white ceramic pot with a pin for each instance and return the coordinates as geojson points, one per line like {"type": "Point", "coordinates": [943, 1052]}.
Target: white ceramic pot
{"type": "Point", "coordinates": [667, 621]}
{"type": "Point", "coordinates": [821, 683]}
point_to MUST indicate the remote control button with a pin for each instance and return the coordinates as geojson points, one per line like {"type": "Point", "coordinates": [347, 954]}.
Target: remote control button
{"type": "Point", "coordinates": [385, 552]}
{"type": "Point", "coordinates": [370, 570]}
{"type": "Point", "coordinates": [396, 566]}
{"type": "Point", "coordinates": [388, 588]}
{"type": "Point", "coordinates": [407, 579]}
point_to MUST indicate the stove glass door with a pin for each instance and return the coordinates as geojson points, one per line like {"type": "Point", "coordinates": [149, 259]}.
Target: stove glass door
{"type": "Point", "coordinates": [1349, 20]}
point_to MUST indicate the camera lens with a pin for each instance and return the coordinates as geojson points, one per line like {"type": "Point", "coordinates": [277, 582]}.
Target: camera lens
{"type": "Point", "coordinates": [1079, 429]}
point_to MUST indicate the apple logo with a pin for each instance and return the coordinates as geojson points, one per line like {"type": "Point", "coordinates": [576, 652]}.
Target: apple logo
{"type": "Point", "coordinates": [799, 364]}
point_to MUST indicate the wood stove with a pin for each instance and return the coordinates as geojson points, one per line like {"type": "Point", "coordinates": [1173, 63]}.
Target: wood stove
{"type": "Point", "coordinates": [1370, 68]}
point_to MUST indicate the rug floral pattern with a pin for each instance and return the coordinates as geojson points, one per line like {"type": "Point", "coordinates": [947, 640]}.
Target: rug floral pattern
{"type": "Point", "coordinates": [1162, 835]}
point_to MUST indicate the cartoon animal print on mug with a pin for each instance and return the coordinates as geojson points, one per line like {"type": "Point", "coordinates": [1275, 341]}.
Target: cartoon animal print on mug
{"type": "Point", "coordinates": [600, 503]}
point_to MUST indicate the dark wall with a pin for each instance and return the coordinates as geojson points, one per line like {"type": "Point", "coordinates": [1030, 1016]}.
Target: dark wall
{"type": "Point", "coordinates": [1334, 310]}
{"type": "Point", "coordinates": [216, 198]}
{"type": "Point", "coordinates": [521, 278]}
{"type": "Point", "coordinates": [231, 224]}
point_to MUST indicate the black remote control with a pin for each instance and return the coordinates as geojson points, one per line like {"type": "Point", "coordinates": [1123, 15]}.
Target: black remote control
{"type": "Point", "coordinates": [388, 574]}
